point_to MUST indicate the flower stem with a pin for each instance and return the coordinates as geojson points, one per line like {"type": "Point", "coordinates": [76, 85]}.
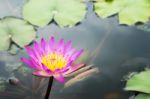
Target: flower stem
{"type": "Point", "coordinates": [49, 87]}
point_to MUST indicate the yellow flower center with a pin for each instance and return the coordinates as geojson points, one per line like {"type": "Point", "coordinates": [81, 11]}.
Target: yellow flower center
{"type": "Point", "coordinates": [54, 61]}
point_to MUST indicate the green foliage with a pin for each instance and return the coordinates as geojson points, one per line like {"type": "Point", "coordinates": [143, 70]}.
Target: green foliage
{"type": "Point", "coordinates": [142, 96]}
{"type": "Point", "coordinates": [139, 82]}
{"type": "Point", "coordinates": [16, 30]}
{"type": "Point", "coordinates": [129, 11]}
{"type": "Point", "coordinates": [64, 12]}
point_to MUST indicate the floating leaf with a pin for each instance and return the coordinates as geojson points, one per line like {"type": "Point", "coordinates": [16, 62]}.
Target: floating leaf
{"type": "Point", "coordinates": [139, 82]}
{"type": "Point", "coordinates": [129, 11]}
{"type": "Point", "coordinates": [107, 8]}
{"type": "Point", "coordinates": [17, 30]}
{"type": "Point", "coordinates": [4, 37]}
{"type": "Point", "coordinates": [142, 96]}
{"type": "Point", "coordinates": [64, 12]}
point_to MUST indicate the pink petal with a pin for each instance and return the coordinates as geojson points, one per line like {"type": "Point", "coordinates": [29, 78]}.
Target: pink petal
{"type": "Point", "coordinates": [42, 73]}
{"type": "Point", "coordinates": [37, 54]}
{"type": "Point", "coordinates": [45, 46]}
{"type": "Point", "coordinates": [68, 64]}
{"type": "Point", "coordinates": [46, 69]}
{"type": "Point", "coordinates": [52, 44]}
{"type": "Point", "coordinates": [61, 42]}
{"type": "Point", "coordinates": [37, 48]}
{"type": "Point", "coordinates": [77, 54]}
{"type": "Point", "coordinates": [68, 44]}
{"type": "Point", "coordinates": [30, 63]}
{"type": "Point", "coordinates": [28, 49]}
{"type": "Point", "coordinates": [59, 77]}
{"type": "Point", "coordinates": [60, 46]}
{"type": "Point", "coordinates": [73, 68]}
{"type": "Point", "coordinates": [69, 54]}
{"type": "Point", "coordinates": [67, 47]}
{"type": "Point", "coordinates": [31, 52]}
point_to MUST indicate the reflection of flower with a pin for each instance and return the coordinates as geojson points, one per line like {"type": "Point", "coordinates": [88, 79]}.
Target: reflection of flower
{"type": "Point", "coordinates": [29, 87]}
{"type": "Point", "coordinates": [52, 58]}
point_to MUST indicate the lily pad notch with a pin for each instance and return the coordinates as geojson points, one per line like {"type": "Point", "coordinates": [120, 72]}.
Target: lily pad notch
{"type": "Point", "coordinates": [63, 12]}
{"type": "Point", "coordinates": [129, 12]}
{"type": "Point", "coordinates": [15, 30]}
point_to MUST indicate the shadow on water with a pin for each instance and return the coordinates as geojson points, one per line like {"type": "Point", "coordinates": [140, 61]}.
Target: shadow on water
{"type": "Point", "coordinates": [115, 49]}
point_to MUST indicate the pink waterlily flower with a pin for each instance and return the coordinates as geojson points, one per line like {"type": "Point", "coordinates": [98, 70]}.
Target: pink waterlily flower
{"type": "Point", "coordinates": [53, 58]}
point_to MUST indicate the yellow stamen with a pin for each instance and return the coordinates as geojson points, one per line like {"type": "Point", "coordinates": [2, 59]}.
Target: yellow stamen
{"type": "Point", "coordinates": [54, 61]}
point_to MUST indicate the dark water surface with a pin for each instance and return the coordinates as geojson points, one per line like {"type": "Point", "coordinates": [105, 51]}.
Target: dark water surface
{"type": "Point", "coordinates": [117, 50]}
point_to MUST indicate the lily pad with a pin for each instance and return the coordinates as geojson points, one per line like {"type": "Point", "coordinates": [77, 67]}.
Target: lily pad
{"type": "Point", "coordinates": [139, 82]}
{"type": "Point", "coordinates": [142, 96]}
{"type": "Point", "coordinates": [129, 11]}
{"type": "Point", "coordinates": [16, 30]}
{"type": "Point", "coordinates": [105, 8]}
{"type": "Point", "coordinates": [64, 12]}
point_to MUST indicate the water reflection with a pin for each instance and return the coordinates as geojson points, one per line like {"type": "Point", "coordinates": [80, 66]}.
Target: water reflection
{"type": "Point", "coordinates": [115, 49]}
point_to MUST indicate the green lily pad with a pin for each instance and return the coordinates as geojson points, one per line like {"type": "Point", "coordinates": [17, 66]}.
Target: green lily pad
{"type": "Point", "coordinates": [129, 11]}
{"type": "Point", "coordinates": [108, 8]}
{"type": "Point", "coordinates": [64, 12]}
{"type": "Point", "coordinates": [139, 82]}
{"type": "Point", "coordinates": [4, 37]}
{"type": "Point", "coordinates": [142, 96]}
{"type": "Point", "coordinates": [16, 30]}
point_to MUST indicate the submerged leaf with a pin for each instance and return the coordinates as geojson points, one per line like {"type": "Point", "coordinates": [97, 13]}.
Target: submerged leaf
{"type": "Point", "coordinates": [129, 11]}
{"type": "Point", "coordinates": [2, 84]}
{"type": "Point", "coordinates": [139, 82]}
{"type": "Point", "coordinates": [23, 70]}
{"type": "Point", "coordinates": [14, 49]}
{"type": "Point", "coordinates": [82, 76]}
{"type": "Point", "coordinates": [142, 96]}
{"type": "Point", "coordinates": [2, 88]}
{"type": "Point", "coordinates": [64, 12]}
{"type": "Point", "coordinates": [144, 27]}
{"type": "Point", "coordinates": [17, 30]}
{"type": "Point", "coordinates": [11, 67]}
{"type": "Point", "coordinates": [83, 69]}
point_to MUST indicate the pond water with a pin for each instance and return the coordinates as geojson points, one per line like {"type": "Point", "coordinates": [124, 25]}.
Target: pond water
{"type": "Point", "coordinates": [116, 50]}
